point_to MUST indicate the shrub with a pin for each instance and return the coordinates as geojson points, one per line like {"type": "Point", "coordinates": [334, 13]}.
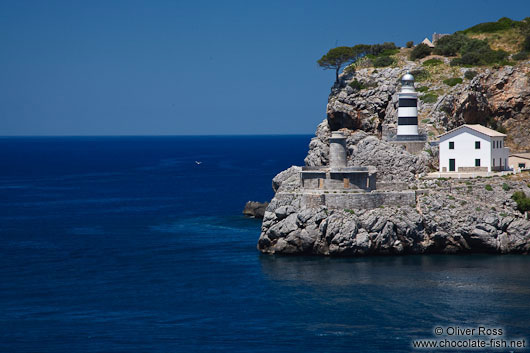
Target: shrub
{"type": "Point", "coordinates": [420, 75]}
{"type": "Point", "coordinates": [453, 81]}
{"type": "Point", "coordinates": [410, 44]}
{"type": "Point", "coordinates": [470, 74]}
{"type": "Point", "coordinates": [429, 98]}
{"type": "Point", "coordinates": [420, 51]}
{"type": "Point", "coordinates": [422, 89]}
{"type": "Point", "coordinates": [523, 202]}
{"type": "Point", "coordinates": [450, 45]}
{"type": "Point", "coordinates": [501, 129]}
{"type": "Point", "coordinates": [505, 187]}
{"type": "Point", "coordinates": [387, 48]}
{"type": "Point", "coordinates": [447, 109]}
{"type": "Point", "coordinates": [482, 55]}
{"type": "Point", "coordinates": [489, 27]}
{"type": "Point", "coordinates": [488, 187]}
{"type": "Point", "coordinates": [520, 56]}
{"type": "Point", "coordinates": [432, 62]}
{"type": "Point", "coordinates": [356, 85]}
{"type": "Point", "coordinates": [473, 51]}
{"type": "Point", "coordinates": [383, 61]}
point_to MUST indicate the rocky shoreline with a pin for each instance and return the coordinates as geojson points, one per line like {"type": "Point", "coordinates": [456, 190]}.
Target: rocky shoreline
{"type": "Point", "coordinates": [448, 216]}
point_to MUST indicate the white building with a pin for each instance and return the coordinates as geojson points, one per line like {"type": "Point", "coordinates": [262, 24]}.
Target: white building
{"type": "Point", "coordinates": [428, 43]}
{"type": "Point", "coordinates": [473, 148]}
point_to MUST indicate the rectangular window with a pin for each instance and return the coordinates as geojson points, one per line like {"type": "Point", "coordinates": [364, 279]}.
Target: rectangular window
{"type": "Point", "coordinates": [522, 165]}
{"type": "Point", "coordinates": [494, 162]}
{"type": "Point", "coordinates": [477, 162]}
{"type": "Point", "coordinates": [494, 144]}
{"type": "Point", "coordinates": [451, 145]}
{"type": "Point", "coordinates": [477, 145]}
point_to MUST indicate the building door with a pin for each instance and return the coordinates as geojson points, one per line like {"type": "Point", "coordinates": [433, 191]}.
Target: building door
{"type": "Point", "coordinates": [451, 165]}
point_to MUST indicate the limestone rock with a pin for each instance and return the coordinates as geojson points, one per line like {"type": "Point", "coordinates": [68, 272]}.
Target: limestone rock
{"type": "Point", "coordinates": [255, 209]}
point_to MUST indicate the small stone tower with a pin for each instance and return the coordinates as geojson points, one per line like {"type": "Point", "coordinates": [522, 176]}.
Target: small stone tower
{"type": "Point", "coordinates": [337, 150]}
{"type": "Point", "coordinates": [407, 110]}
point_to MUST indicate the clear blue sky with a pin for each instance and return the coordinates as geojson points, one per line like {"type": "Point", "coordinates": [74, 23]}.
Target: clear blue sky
{"type": "Point", "coordinates": [195, 67]}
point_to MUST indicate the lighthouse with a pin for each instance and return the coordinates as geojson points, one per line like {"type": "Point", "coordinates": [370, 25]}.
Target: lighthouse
{"type": "Point", "coordinates": [407, 109]}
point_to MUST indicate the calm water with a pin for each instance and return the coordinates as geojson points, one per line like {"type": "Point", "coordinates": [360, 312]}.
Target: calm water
{"type": "Point", "coordinates": [127, 245]}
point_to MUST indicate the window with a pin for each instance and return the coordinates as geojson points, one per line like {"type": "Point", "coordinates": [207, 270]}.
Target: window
{"type": "Point", "coordinates": [494, 162]}
{"type": "Point", "coordinates": [477, 162]}
{"type": "Point", "coordinates": [477, 145]}
{"type": "Point", "coordinates": [522, 165]}
{"type": "Point", "coordinates": [451, 145]}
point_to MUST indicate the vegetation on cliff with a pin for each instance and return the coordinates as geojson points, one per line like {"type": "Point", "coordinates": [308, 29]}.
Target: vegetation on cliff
{"type": "Point", "coordinates": [485, 44]}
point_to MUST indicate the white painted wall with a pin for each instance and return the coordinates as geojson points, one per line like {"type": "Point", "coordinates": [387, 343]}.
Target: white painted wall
{"type": "Point", "coordinates": [465, 153]}
{"type": "Point", "coordinates": [501, 154]}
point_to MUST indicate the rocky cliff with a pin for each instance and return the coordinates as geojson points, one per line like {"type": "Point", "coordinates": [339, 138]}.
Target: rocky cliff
{"type": "Point", "coordinates": [449, 216]}
{"type": "Point", "coordinates": [495, 97]}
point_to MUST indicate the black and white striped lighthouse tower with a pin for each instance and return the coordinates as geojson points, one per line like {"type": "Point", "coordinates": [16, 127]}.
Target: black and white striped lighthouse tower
{"type": "Point", "coordinates": [407, 109]}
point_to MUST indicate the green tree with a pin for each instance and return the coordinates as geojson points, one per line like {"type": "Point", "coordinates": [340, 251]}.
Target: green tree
{"type": "Point", "coordinates": [420, 51]}
{"type": "Point", "coordinates": [340, 56]}
{"type": "Point", "coordinates": [410, 44]}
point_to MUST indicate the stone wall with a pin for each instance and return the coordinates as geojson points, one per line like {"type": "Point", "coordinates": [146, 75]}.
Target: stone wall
{"type": "Point", "coordinates": [472, 169]}
{"type": "Point", "coordinates": [338, 180]}
{"type": "Point", "coordinates": [412, 147]}
{"type": "Point", "coordinates": [351, 200]}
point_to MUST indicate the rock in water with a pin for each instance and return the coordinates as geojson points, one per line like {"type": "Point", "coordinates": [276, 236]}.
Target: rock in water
{"type": "Point", "coordinates": [255, 209]}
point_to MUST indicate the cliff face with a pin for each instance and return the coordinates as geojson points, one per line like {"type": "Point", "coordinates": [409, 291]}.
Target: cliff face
{"type": "Point", "coordinates": [498, 98]}
{"type": "Point", "coordinates": [452, 217]}
{"type": "Point", "coordinates": [448, 216]}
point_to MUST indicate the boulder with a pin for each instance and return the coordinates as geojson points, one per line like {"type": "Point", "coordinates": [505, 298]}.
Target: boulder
{"type": "Point", "coordinates": [255, 209]}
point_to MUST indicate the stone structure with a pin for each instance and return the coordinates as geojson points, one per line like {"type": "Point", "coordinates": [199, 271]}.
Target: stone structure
{"type": "Point", "coordinates": [428, 43]}
{"type": "Point", "coordinates": [338, 176]}
{"type": "Point", "coordinates": [437, 36]}
{"type": "Point", "coordinates": [407, 109]}
{"type": "Point", "coordinates": [408, 136]}
{"type": "Point", "coordinates": [519, 160]}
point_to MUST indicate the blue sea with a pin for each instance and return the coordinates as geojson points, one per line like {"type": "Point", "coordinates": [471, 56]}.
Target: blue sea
{"type": "Point", "coordinates": [126, 244]}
